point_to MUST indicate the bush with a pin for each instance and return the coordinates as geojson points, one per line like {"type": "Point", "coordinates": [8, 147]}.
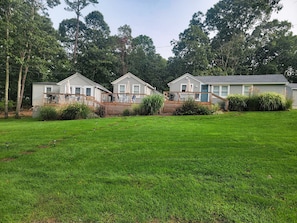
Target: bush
{"type": "Point", "coordinates": [126, 112]}
{"type": "Point", "coordinates": [253, 103]}
{"type": "Point", "coordinates": [237, 102]}
{"type": "Point", "coordinates": [75, 111]}
{"type": "Point", "coordinates": [150, 105]}
{"type": "Point", "coordinates": [271, 102]}
{"type": "Point", "coordinates": [11, 105]}
{"type": "Point", "coordinates": [47, 113]}
{"type": "Point", "coordinates": [191, 107]}
{"type": "Point", "coordinates": [289, 103]}
{"type": "Point", "coordinates": [101, 111]}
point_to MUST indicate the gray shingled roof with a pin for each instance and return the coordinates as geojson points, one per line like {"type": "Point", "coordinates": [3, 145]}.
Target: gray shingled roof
{"type": "Point", "coordinates": [244, 79]}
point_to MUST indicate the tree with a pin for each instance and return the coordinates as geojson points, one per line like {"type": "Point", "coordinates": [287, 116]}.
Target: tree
{"type": "Point", "coordinates": [193, 47]}
{"type": "Point", "coordinates": [275, 47]}
{"type": "Point", "coordinates": [124, 43]}
{"type": "Point", "coordinates": [77, 6]}
{"type": "Point", "coordinates": [234, 17]}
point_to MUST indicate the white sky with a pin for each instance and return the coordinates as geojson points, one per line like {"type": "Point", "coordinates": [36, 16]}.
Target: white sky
{"type": "Point", "coordinates": [161, 20]}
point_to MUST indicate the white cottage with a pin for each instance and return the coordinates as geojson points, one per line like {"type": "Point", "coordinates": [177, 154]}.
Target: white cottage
{"type": "Point", "coordinates": [213, 88]}
{"type": "Point", "coordinates": [76, 88]}
{"type": "Point", "coordinates": [129, 88]}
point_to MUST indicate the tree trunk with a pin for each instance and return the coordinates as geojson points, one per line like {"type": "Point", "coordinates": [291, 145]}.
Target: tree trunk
{"type": "Point", "coordinates": [18, 105]}
{"type": "Point", "coordinates": [7, 68]}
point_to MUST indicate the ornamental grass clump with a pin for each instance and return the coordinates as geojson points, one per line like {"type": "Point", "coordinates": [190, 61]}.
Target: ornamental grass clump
{"type": "Point", "coordinates": [151, 105]}
{"type": "Point", "coordinates": [271, 102]}
{"type": "Point", "coordinates": [237, 102]}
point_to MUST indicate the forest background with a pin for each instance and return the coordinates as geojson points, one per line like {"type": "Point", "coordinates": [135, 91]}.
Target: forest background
{"type": "Point", "coordinates": [233, 37]}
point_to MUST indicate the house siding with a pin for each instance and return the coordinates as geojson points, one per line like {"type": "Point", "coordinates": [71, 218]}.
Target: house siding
{"type": "Point", "coordinates": [38, 91]}
{"type": "Point", "coordinates": [280, 89]}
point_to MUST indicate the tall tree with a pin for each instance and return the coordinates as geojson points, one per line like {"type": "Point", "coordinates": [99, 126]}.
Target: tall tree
{"type": "Point", "coordinates": [77, 6]}
{"type": "Point", "coordinates": [193, 47]}
{"type": "Point", "coordinates": [124, 38]}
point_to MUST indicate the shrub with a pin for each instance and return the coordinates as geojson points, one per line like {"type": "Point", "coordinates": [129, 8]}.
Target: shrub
{"type": "Point", "coordinates": [126, 112]}
{"type": "Point", "coordinates": [253, 103]}
{"type": "Point", "coordinates": [289, 103]}
{"type": "Point", "coordinates": [271, 102]}
{"type": "Point", "coordinates": [191, 107]}
{"type": "Point", "coordinates": [48, 113]}
{"type": "Point", "coordinates": [150, 105]}
{"type": "Point", "coordinates": [101, 111]}
{"type": "Point", "coordinates": [11, 105]}
{"type": "Point", "coordinates": [237, 102]}
{"type": "Point", "coordinates": [75, 111]}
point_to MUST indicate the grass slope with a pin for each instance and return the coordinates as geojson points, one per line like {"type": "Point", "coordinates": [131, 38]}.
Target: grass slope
{"type": "Point", "coordinates": [236, 167]}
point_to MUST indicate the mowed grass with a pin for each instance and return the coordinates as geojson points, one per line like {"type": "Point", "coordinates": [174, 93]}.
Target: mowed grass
{"type": "Point", "coordinates": [235, 167]}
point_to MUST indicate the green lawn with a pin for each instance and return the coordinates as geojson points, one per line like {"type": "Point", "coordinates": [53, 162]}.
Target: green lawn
{"type": "Point", "coordinates": [235, 167]}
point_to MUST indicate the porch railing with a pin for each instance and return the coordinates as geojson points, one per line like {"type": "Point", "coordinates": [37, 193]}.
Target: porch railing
{"type": "Point", "coordinates": [64, 99]}
{"type": "Point", "coordinates": [123, 97]}
{"type": "Point", "coordinates": [197, 96]}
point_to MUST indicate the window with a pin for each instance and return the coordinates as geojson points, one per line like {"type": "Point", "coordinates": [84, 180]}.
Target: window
{"type": "Point", "coordinates": [48, 89]}
{"type": "Point", "coordinates": [88, 91]}
{"type": "Point", "coordinates": [216, 90]}
{"type": "Point", "coordinates": [247, 90]}
{"type": "Point", "coordinates": [183, 88]}
{"type": "Point", "coordinates": [136, 89]}
{"type": "Point", "coordinates": [77, 90]}
{"type": "Point", "coordinates": [224, 91]}
{"type": "Point", "coordinates": [122, 88]}
{"type": "Point", "coordinates": [220, 90]}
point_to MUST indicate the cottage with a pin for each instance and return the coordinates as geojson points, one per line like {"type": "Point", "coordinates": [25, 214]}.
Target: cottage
{"type": "Point", "coordinates": [215, 88]}
{"type": "Point", "coordinates": [76, 88]}
{"type": "Point", "coordinates": [131, 89]}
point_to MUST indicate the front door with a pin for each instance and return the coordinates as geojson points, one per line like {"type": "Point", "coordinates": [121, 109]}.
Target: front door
{"type": "Point", "coordinates": [204, 93]}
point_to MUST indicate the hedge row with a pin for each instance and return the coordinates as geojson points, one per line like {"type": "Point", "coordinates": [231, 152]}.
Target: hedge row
{"type": "Point", "coordinates": [262, 102]}
{"type": "Point", "coordinates": [71, 112]}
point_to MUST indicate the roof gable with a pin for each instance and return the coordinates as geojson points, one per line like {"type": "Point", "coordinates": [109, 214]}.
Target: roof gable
{"type": "Point", "coordinates": [85, 79]}
{"type": "Point", "coordinates": [130, 75]}
{"type": "Point", "coordinates": [186, 75]}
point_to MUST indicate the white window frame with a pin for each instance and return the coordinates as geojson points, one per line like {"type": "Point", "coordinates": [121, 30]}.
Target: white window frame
{"type": "Point", "coordinates": [80, 90]}
{"type": "Point", "coordinates": [119, 88]}
{"type": "Point", "coordinates": [181, 87]}
{"type": "Point", "coordinates": [88, 87]}
{"type": "Point", "coordinates": [221, 90]}
{"type": "Point", "coordinates": [218, 91]}
{"type": "Point", "coordinates": [46, 87]}
{"type": "Point", "coordinates": [250, 90]}
{"type": "Point", "coordinates": [133, 89]}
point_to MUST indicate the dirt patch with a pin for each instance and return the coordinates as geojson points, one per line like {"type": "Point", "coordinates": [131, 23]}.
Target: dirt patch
{"type": "Point", "coordinates": [23, 113]}
{"type": "Point", "coordinates": [9, 159]}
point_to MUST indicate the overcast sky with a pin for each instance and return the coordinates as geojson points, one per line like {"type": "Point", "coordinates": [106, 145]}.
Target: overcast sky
{"type": "Point", "coordinates": [161, 20]}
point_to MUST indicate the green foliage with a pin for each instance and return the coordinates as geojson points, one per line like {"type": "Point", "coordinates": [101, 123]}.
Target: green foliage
{"type": "Point", "coordinates": [191, 107]}
{"type": "Point", "coordinates": [237, 102]}
{"type": "Point", "coordinates": [47, 113]}
{"type": "Point", "coordinates": [152, 104]}
{"type": "Point", "coordinates": [289, 103]}
{"type": "Point", "coordinates": [271, 102]}
{"type": "Point", "coordinates": [75, 111]}
{"type": "Point", "coordinates": [126, 112]}
{"type": "Point", "coordinates": [263, 102]}
{"type": "Point", "coordinates": [253, 103]}
{"type": "Point", "coordinates": [11, 105]}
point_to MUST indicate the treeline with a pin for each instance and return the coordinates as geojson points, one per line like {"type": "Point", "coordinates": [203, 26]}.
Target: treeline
{"type": "Point", "coordinates": [233, 37]}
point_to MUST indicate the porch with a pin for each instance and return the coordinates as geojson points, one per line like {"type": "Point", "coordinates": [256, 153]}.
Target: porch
{"type": "Point", "coordinates": [61, 99]}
